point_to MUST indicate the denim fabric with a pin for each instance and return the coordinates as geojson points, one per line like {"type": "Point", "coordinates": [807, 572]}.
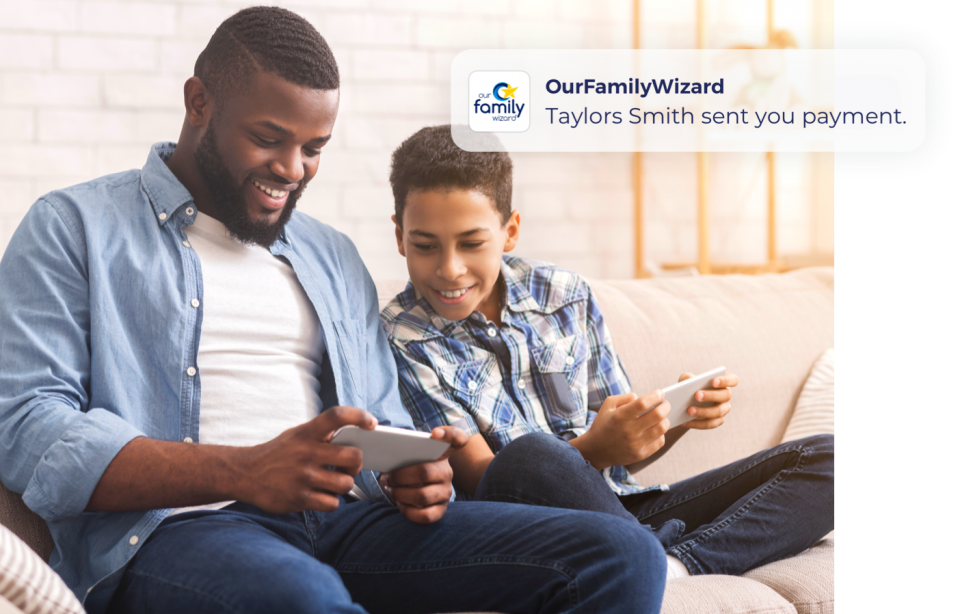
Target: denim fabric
{"type": "Point", "coordinates": [365, 557]}
{"type": "Point", "coordinates": [97, 332]}
{"type": "Point", "coordinates": [766, 507]}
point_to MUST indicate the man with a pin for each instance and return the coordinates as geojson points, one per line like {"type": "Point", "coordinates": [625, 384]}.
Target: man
{"type": "Point", "coordinates": [167, 339]}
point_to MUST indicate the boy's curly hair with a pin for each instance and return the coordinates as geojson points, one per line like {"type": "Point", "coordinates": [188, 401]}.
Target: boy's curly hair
{"type": "Point", "coordinates": [431, 160]}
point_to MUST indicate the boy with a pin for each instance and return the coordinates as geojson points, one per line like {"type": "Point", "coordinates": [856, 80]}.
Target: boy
{"type": "Point", "coordinates": [516, 353]}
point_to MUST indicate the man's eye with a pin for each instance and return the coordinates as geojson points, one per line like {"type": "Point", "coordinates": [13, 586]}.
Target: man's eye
{"type": "Point", "coordinates": [311, 152]}
{"type": "Point", "coordinates": [265, 142]}
{"type": "Point", "coordinates": [473, 244]}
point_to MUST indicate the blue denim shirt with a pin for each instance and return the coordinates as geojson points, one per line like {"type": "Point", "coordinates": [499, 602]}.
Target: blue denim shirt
{"type": "Point", "coordinates": [97, 332]}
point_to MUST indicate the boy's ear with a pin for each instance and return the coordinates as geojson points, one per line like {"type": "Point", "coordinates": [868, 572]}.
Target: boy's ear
{"type": "Point", "coordinates": [399, 233]}
{"type": "Point", "coordinates": [513, 231]}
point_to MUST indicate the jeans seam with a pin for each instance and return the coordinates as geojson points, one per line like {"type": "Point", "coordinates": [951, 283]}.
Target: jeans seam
{"type": "Point", "coordinates": [722, 481]}
{"type": "Point", "coordinates": [688, 546]}
{"type": "Point", "coordinates": [225, 606]}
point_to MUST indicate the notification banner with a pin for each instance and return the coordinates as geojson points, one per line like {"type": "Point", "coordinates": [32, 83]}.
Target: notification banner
{"type": "Point", "coordinates": [688, 100]}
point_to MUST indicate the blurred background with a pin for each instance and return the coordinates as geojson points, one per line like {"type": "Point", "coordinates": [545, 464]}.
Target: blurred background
{"type": "Point", "coordinates": [86, 86]}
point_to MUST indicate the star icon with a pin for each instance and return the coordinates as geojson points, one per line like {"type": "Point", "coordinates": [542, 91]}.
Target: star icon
{"type": "Point", "coordinates": [507, 92]}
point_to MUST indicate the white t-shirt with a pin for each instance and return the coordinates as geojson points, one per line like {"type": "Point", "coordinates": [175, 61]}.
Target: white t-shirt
{"type": "Point", "coordinates": [260, 342]}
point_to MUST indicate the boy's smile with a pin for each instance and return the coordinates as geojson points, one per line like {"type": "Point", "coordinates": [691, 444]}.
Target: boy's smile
{"type": "Point", "coordinates": [453, 240]}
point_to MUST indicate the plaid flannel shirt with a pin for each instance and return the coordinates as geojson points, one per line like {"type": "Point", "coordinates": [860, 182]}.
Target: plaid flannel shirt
{"type": "Point", "coordinates": [548, 368]}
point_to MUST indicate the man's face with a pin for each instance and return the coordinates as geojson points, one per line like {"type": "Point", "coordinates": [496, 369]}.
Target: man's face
{"type": "Point", "coordinates": [259, 151]}
{"type": "Point", "coordinates": [453, 241]}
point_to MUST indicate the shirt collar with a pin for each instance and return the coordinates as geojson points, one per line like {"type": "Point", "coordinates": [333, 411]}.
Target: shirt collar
{"type": "Point", "coordinates": [517, 298]}
{"type": "Point", "coordinates": [166, 192]}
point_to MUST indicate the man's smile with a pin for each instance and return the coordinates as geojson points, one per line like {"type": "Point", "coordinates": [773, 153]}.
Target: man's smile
{"type": "Point", "coordinates": [268, 197]}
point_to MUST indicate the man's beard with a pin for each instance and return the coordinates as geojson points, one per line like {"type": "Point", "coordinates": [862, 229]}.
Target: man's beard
{"type": "Point", "coordinates": [228, 196]}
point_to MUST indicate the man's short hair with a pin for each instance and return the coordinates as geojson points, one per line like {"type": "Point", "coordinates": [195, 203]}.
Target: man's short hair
{"type": "Point", "coordinates": [430, 160]}
{"type": "Point", "coordinates": [265, 38]}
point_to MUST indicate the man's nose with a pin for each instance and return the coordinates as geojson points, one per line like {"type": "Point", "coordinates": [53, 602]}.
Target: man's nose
{"type": "Point", "coordinates": [451, 267]}
{"type": "Point", "coordinates": [289, 165]}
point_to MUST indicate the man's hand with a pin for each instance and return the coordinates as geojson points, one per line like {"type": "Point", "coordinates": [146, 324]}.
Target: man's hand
{"type": "Point", "coordinates": [289, 473]}
{"type": "Point", "coordinates": [625, 430]}
{"type": "Point", "coordinates": [422, 492]}
{"type": "Point", "coordinates": [292, 473]}
{"type": "Point", "coordinates": [711, 417]}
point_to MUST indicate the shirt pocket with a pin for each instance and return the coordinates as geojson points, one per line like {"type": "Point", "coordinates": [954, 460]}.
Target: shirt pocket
{"type": "Point", "coordinates": [476, 385]}
{"type": "Point", "coordinates": [562, 377]}
{"type": "Point", "coordinates": [352, 345]}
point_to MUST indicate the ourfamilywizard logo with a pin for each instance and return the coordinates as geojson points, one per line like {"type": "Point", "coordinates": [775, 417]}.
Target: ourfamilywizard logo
{"type": "Point", "coordinates": [499, 101]}
{"type": "Point", "coordinates": [506, 110]}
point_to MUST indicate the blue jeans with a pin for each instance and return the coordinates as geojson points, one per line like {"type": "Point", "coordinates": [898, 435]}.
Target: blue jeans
{"type": "Point", "coordinates": [757, 510]}
{"type": "Point", "coordinates": [366, 557]}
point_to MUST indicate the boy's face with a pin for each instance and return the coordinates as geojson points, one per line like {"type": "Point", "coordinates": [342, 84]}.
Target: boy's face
{"type": "Point", "coordinates": [453, 241]}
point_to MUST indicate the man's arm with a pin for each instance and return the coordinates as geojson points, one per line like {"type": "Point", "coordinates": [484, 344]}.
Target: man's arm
{"type": "Point", "coordinates": [287, 474]}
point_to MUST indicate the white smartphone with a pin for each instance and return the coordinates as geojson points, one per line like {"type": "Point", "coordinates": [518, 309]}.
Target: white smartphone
{"type": "Point", "coordinates": [387, 449]}
{"type": "Point", "coordinates": [681, 395]}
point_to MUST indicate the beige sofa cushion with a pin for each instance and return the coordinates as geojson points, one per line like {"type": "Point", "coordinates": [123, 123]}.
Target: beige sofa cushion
{"type": "Point", "coordinates": [768, 329]}
{"type": "Point", "coordinates": [28, 583]}
{"type": "Point", "coordinates": [805, 580]}
{"type": "Point", "coordinates": [814, 411]}
{"type": "Point", "coordinates": [726, 594]}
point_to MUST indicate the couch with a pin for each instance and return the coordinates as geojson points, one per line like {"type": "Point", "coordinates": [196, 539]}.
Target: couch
{"type": "Point", "coordinates": [768, 329]}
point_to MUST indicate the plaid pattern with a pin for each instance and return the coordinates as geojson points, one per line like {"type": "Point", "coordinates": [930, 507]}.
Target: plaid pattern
{"type": "Point", "coordinates": [548, 368]}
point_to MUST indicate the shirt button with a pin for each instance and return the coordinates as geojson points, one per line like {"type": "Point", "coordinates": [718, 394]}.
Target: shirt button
{"type": "Point", "coordinates": [194, 303]}
{"type": "Point", "coordinates": [191, 371]}
{"type": "Point", "coordinates": [521, 384]}
{"type": "Point", "coordinates": [491, 332]}
{"type": "Point", "coordinates": [134, 540]}
{"type": "Point", "coordinates": [569, 360]}
{"type": "Point", "coordinates": [186, 243]}
{"type": "Point", "coordinates": [189, 210]}
{"type": "Point", "coordinates": [472, 385]}
{"type": "Point", "coordinates": [188, 440]}
{"type": "Point", "coordinates": [162, 216]}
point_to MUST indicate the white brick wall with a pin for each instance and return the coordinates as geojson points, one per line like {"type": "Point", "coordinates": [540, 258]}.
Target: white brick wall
{"type": "Point", "coordinates": [87, 85]}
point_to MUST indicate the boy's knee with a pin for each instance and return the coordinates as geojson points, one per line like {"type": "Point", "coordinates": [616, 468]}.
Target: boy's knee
{"type": "Point", "coordinates": [535, 454]}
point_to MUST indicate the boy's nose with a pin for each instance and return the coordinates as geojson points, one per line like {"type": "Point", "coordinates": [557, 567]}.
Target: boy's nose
{"type": "Point", "coordinates": [451, 268]}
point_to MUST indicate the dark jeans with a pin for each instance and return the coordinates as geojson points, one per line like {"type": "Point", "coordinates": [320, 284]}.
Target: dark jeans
{"type": "Point", "coordinates": [761, 509]}
{"type": "Point", "coordinates": [367, 557]}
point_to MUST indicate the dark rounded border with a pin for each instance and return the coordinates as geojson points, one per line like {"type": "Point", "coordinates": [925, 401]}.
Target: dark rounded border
{"type": "Point", "coordinates": [883, 165]}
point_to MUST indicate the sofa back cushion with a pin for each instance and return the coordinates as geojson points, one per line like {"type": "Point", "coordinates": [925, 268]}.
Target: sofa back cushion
{"type": "Point", "coordinates": [768, 329]}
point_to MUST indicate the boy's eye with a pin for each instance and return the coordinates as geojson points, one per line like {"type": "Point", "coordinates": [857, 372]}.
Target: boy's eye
{"type": "Point", "coordinates": [424, 247]}
{"type": "Point", "coordinates": [311, 152]}
{"type": "Point", "coordinates": [473, 244]}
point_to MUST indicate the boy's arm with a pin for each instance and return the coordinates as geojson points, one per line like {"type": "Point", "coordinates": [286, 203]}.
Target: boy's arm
{"type": "Point", "coordinates": [619, 435]}
{"type": "Point", "coordinates": [431, 404]}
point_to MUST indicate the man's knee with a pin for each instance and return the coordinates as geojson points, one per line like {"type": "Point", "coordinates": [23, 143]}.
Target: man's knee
{"type": "Point", "coordinates": [629, 549]}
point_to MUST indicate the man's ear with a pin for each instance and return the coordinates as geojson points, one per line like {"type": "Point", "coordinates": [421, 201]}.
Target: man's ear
{"type": "Point", "coordinates": [198, 102]}
{"type": "Point", "coordinates": [513, 231]}
{"type": "Point", "coordinates": [399, 232]}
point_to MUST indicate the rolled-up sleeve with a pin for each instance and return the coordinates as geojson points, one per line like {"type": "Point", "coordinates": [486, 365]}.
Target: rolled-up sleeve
{"type": "Point", "coordinates": [54, 447]}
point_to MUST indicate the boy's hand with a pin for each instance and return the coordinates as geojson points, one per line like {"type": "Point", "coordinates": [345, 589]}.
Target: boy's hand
{"type": "Point", "coordinates": [422, 492]}
{"type": "Point", "coordinates": [620, 435]}
{"type": "Point", "coordinates": [711, 417]}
